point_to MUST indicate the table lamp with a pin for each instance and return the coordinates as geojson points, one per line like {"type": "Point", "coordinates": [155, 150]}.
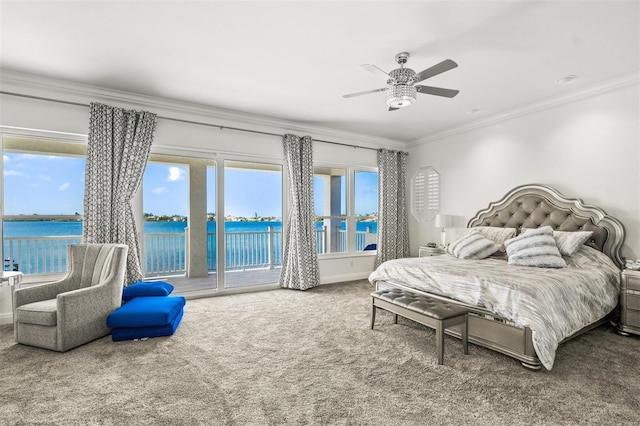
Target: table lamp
{"type": "Point", "coordinates": [443, 221]}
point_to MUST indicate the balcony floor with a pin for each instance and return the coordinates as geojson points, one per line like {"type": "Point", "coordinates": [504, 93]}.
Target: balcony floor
{"type": "Point", "coordinates": [233, 280]}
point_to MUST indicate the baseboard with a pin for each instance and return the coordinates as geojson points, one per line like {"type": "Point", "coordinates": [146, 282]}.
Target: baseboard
{"type": "Point", "coordinates": [6, 318]}
{"type": "Point", "coordinates": [344, 277]}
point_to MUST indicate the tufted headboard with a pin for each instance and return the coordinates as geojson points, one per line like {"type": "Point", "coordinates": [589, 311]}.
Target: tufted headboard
{"type": "Point", "coordinates": [532, 206]}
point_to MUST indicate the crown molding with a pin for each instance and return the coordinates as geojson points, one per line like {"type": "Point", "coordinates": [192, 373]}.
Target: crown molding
{"type": "Point", "coordinates": [43, 134]}
{"type": "Point", "coordinates": [81, 94]}
{"type": "Point", "coordinates": [579, 94]}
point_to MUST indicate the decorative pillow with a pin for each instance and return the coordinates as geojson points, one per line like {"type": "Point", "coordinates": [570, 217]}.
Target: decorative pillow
{"type": "Point", "coordinates": [493, 233]}
{"type": "Point", "coordinates": [141, 288]}
{"type": "Point", "coordinates": [535, 247]}
{"type": "Point", "coordinates": [473, 246]}
{"type": "Point", "coordinates": [569, 242]}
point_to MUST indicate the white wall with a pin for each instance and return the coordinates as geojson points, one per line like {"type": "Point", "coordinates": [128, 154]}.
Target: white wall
{"type": "Point", "coordinates": [588, 149]}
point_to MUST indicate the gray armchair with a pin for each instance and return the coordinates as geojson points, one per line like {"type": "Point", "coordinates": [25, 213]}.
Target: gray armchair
{"type": "Point", "coordinates": [73, 311]}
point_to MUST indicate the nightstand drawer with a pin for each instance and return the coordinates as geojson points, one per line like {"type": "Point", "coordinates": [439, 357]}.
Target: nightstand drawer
{"type": "Point", "coordinates": [633, 282]}
{"type": "Point", "coordinates": [424, 251]}
{"type": "Point", "coordinates": [633, 301]}
{"type": "Point", "coordinates": [631, 318]}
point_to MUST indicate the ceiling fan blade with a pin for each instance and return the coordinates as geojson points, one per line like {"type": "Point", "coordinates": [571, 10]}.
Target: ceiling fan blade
{"type": "Point", "coordinates": [393, 109]}
{"type": "Point", "coordinates": [375, 70]}
{"type": "Point", "coordinates": [438, 91]}
{"type": "Point", "coordinates": [443, 66]}
{"type": "Point", "coordinates": [351, 95]}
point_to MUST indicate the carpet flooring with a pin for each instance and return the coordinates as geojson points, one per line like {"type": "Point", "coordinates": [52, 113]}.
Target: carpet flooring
{"type": "Point", "coordinates": [309, 358]}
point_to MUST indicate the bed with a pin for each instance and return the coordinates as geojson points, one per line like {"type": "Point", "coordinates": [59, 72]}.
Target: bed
{"type": "Point", "coordinates": [522, 311]}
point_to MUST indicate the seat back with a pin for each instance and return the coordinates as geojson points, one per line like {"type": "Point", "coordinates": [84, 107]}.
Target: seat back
{"type": "Point", "coordinates": [96, 264]}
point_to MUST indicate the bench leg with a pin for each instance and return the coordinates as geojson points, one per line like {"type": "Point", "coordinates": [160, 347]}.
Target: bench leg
{"type": "Point", "coordinates": [465, 335]}
{"type": "Point", "coordinates": [395, 318]}
{"type": "Point", "coordinates": [373, 315]}
{"type": "Point", "coordinates": [440, 342]}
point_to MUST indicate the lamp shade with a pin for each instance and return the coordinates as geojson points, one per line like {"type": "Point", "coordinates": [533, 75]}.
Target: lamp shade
{"type": "Point", "coordinates": [443, 221]}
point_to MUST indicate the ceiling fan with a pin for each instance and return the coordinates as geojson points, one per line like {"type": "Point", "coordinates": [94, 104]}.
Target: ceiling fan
{"type": "Point", "coordinates": [401, 83]}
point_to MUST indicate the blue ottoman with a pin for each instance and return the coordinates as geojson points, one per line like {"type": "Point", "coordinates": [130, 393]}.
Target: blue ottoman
{"type": "Point", "coordinates": [150, 316]}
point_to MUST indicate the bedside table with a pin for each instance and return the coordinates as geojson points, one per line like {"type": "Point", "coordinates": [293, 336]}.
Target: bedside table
{"type": "Point", "coordinates": [629, 302]}
{"type": "Point", "coordinates": [425, 251]}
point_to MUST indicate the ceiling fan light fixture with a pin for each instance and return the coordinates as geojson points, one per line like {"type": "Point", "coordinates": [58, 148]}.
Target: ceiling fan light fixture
{"type": "Point", "coordinates": [401, 96]}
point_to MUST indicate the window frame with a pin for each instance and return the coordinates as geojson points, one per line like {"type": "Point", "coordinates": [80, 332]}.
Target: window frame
{"type": "Point", "coordinates": [29, 141]}
{"type": "Point", "coordinates": [351, 217]}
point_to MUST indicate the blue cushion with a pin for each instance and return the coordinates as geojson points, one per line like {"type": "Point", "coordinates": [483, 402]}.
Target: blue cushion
{"type": "Point", "coordinates": [146, 312]}
{"type": "Point", "coordinates": [130, 333]}
{"type": "Point", "coordinates": [141, 288]}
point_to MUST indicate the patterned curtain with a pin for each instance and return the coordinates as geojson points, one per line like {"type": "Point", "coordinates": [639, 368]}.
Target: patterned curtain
{"type": "Point", "coordinates": [300, 258]}
{"type": "Point", "coordinates": [393, 219]}
{"type": "Point", "coordinates": [119, 146]}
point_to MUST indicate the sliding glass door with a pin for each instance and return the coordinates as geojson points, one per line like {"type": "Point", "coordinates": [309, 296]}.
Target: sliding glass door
{"type": "Point", "coordinates": [252, 223]}
{"type": "Point", "coordinates": [166, 208]}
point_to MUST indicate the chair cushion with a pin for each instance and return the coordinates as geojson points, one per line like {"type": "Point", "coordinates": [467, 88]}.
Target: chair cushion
{"type": "Point", "coordinates": [40, 313]}
{"type": "Point", "coordinates": [130, 333]}
{"type": "Point", "coordinates": [149, 311]}
{"type": "Point", "coordinates": [141, 288]}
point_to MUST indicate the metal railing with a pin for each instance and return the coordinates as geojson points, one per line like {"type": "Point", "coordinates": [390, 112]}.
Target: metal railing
{"type": "Point", "coordinates": [243, 250]}
{"type": "Point", "coordinates": [166, 254]}
{"type": "Point", "coordinates": [323, 243]}
{"type": "Point", "coordinates": [38, 255]}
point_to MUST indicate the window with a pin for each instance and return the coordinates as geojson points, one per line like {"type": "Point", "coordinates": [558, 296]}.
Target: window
{"type": "Point", "coordinates": [166, 206]}
{"type": "Point", "coordinates": [43, 201]}
{"type": "Point", "coordinates": [365, 190]}
{"type": "Point", "coordinates": [212, 241]}
{"type": "Point", "coordinates": [252, 223]}
{"type": "Point", "coordinates": [425, 194]}
{"type": "Point", "coordinates": [330, 203]}
{"type": "Point", "coordinates": [346, 208]}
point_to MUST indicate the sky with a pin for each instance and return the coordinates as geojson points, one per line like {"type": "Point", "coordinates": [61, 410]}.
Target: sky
{"type": "Point", "coordinates": [44, 184]}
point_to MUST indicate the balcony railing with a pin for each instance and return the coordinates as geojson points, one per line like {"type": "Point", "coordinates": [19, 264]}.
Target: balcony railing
{"type": "Point", "coordinates": [257, 249]}
{"type": "Point", "coordinates": [166, 254]}
{"type": "Point", "coordinates": [38, 255]}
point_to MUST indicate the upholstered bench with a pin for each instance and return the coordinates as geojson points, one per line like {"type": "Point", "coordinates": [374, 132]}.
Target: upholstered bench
{"type": "Point", "coordinates": [150, 316]}
{"type": "Point", "coordinates": [425, 310]}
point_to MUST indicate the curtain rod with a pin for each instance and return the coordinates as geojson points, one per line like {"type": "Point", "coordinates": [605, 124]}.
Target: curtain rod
{"type": "Point", "coordinates": [199, 123]}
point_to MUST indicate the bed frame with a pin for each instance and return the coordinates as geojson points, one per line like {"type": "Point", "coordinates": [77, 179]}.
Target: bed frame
{"type": "Point", "coordinates": [532, 206]}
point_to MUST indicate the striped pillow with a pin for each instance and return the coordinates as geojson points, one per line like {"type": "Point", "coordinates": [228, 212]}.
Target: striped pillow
{"type": "Point", "coordinates": [569, 242]}
{"type": "Point", "coordinates": [493, 233]}
{"type": "Point", "coordinates": [473, 245]}
{"type": "Point", "coordinates": [536, 247]}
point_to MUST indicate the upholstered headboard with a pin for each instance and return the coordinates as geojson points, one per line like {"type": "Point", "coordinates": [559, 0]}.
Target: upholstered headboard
{"type": "Point", "coordinates": [532, 206]}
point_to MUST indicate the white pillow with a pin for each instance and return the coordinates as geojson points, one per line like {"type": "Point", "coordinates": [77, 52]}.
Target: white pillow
{"type": "Point", "coordinates": [569, 242]}
{"type": "Point", "coordinates": [496, 234]}
{"type": "Point", "coordinates": [535, 247]}
{"type": "Point", "coordinates": [473, 245]}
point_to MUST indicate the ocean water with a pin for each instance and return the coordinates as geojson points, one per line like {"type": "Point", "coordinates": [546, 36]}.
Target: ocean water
{"type": "Point", "coordinates": [163, 255]}
{"type": "Point", "coordinates": [51, 229]}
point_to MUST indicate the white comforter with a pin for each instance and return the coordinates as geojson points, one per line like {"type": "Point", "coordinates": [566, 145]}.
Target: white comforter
{"type": "Point", "coordinates": [554, 303]}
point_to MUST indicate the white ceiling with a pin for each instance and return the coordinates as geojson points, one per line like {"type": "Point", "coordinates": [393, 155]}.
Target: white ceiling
{"type": "Point", "coordinates": [294, 60]}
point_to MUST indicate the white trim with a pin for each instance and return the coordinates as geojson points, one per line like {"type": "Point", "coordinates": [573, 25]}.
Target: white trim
{"type": "Point", "coordinates": [344, 277]}
{"type": "Point", "coordinates": [6, 318]}
{"type": "Point", "coordinates": [65, 91]}
{"type": "Point", "coordinates": [43, 134]}
{"type": "Point", "coordinates": [586, 92]}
